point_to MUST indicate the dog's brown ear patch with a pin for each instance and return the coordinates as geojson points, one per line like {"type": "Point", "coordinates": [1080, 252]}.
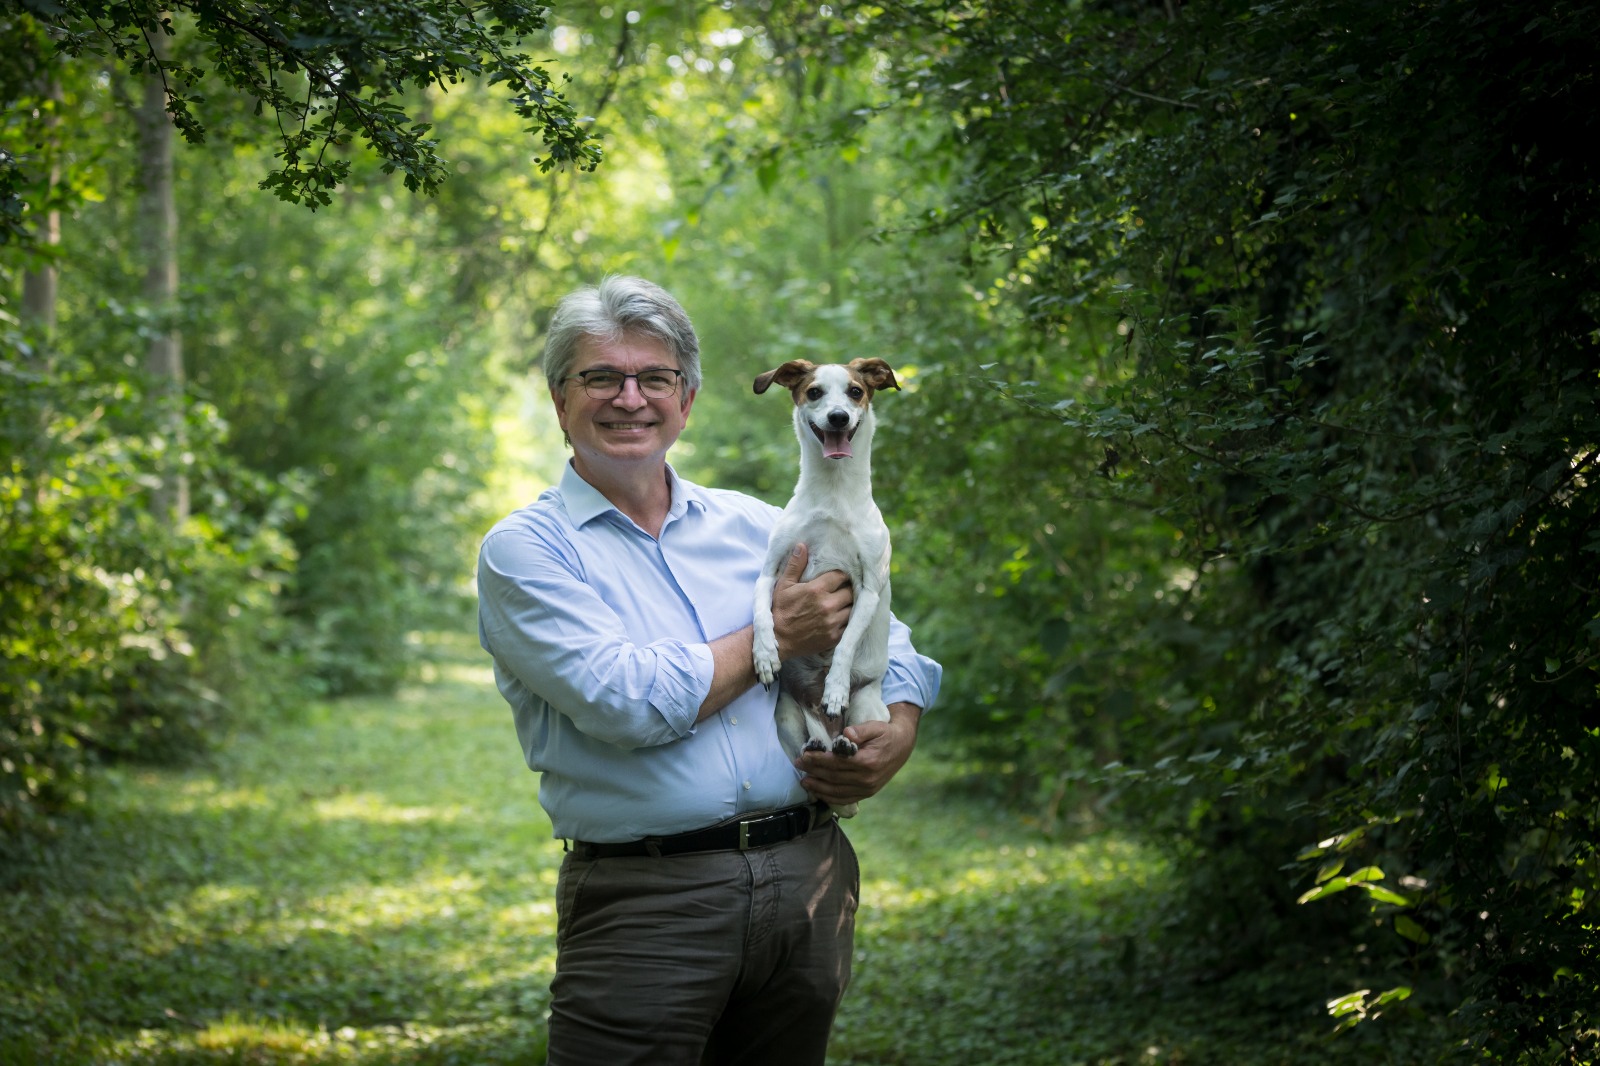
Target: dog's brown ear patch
{"type": "Point", "coordinates": [875, 372]}
{"type": "Point", "coordinates": [788, 375]}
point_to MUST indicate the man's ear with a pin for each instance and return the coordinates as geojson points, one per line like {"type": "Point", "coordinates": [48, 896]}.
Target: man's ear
{"type": "Point", "coordinates": [788, 375]}
{"type": "Point", "coordinates": [875, 372]}
{"type": "Point", "coordinates": [558, 399]}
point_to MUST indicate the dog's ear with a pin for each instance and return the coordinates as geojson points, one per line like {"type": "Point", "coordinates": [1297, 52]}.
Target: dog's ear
{"type": "Point", "coordinates": [788, 375]}
{"type": "Point", "coordinates": [875, 372]}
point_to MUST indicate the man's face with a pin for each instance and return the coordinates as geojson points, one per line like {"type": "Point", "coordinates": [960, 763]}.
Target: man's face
{"type": "Point", "coordinates": [631, 427]}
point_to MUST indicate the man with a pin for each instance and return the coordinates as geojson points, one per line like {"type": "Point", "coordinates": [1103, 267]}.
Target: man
{"type": "Point", "coordinates": [706, 907]}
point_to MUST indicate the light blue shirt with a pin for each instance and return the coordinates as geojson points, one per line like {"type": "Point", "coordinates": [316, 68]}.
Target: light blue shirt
{"type": "Point", "coordinates": [600, 635]}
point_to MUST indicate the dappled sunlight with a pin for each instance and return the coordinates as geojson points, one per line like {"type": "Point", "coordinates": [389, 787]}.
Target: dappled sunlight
{"type": "Point", "coordinates": [276, 913]}
{"type": "Point", "coordinates": [238, 1038]}
{"type": "Point", "coordinates": [216, 898]}
{"type": "Point", "coordinates": [537, 914]}
{"type": "Point", "coordinates": [201, 795]}
{"type": "Point", "coordinates": [367, 807]}
{"type": "Point", "coordinates": [261, 1036]}
{"type": "Point", "coordinates": [1101, 864]}
{"type": "Point", "coordinates": [439, 897]}
{"type": "Point", "coordinates": [458, 672]}
{"type": "Point", "coordinates": [525, 956]}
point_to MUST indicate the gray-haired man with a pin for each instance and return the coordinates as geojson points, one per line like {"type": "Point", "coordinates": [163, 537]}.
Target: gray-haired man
{"type": "Point", "coordinates": [706, 908]}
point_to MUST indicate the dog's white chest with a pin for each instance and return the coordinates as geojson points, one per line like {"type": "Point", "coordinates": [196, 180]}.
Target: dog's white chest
{"type": "Point", "coordinates": [854, 543]}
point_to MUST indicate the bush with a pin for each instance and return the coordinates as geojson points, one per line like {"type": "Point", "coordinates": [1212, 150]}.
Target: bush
{"type": "Point", "coordinates": [121, 636]}
{"type": "Point", "coordinates": [1331, 266]}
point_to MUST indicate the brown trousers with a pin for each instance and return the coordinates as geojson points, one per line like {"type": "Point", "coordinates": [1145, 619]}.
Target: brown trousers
{"type": "Point", "coordinates": [726, 958]}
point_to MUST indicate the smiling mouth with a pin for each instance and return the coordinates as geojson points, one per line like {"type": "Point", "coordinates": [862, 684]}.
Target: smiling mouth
{"type": "Point", "coordinates": [835, 443]}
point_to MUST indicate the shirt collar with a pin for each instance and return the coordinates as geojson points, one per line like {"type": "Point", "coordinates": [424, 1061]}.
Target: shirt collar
{"type": "Point", "coordinates": [584, 502]}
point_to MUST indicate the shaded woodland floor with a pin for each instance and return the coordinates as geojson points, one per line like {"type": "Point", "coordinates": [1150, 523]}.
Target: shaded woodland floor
{"type": "Point", "coordinates": [374, 882]}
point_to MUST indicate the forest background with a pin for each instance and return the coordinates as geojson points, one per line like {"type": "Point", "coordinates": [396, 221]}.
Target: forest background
{"type": "Point", "coordinates": [1242, 479]}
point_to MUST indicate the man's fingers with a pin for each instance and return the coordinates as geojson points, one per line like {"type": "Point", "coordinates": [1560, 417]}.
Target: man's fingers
{"type": "Point", "coordinates": [885, 747]}
{"type": "Point", "coordinates": [839, 780]}
{"type": "Point", "coordinates": [797, 565]}
{"type": "Point", "coordinates": [863, 732]}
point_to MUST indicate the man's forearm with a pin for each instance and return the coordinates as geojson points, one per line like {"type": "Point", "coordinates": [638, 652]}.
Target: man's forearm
{"type": "Point", "coordinates": [910, 712]}
{"type": "Point", "coordinates": [734, 670]}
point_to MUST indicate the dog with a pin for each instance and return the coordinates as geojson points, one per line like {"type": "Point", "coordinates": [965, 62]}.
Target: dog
{"type": "Point", "coordinates": [832, 512]}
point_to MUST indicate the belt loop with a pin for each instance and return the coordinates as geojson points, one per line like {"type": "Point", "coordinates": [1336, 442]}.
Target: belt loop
{"type": "Point", "coordinates": [652, 846]}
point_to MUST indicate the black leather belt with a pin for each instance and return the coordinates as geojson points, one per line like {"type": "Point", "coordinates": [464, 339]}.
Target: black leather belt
{"type": "Point", "coordinates": [742, 834]}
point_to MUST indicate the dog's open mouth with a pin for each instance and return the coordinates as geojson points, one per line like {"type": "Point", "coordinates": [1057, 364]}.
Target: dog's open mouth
{"type": "Point", "coordinates": [835, 443]}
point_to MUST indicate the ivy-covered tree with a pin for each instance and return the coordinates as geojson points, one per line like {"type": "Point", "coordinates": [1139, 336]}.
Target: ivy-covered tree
{"type": "Point", "coordinates": [1350, 254]}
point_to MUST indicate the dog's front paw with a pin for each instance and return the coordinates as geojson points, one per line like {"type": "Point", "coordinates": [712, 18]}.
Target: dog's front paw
{"type": "Point", "coordinates": [835, 695]}
{"type": "Point", "coordinates": [844, 747]}
{"type": "Point", "coordinates": [816, 745]}
{"type": "Point", "coordinates": [766, 658]}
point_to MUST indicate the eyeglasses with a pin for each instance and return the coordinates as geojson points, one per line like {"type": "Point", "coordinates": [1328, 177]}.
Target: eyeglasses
{"type": "Point", "coordinates": [604, 384]}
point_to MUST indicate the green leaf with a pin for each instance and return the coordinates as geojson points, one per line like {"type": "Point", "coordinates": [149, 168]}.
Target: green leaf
{"type": "Point", "coordinates": [1408, 927]}
{"type": "Point", "coordinates": [1394, 995]}
{"type": "Point", "coordinates": [1347, 1004]}
{"type": "Point", "coordinates": [1385, 895]}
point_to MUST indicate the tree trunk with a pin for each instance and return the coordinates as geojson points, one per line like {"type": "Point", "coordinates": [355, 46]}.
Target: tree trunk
{"type": "Point", "coordinates": [39, 284]}
{"type": "Point", "coordinates": [157, 225]}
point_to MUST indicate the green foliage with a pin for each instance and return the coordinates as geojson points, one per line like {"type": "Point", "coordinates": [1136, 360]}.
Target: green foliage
{"type": "Point", "coordinates": [119, 637]}
{"type": "Point", "coordinates": [329, 73]}
{"type": "Point", "coordinates": [332, 459]}
{"type": "Point", "coordinates": [372, 882]}
{"type": "Point", "coordinates": [343, 366]}
{"type": "Point", "coordinates": [1349, 253]}
{"type": "Point", "coordinates": [1243, 479]}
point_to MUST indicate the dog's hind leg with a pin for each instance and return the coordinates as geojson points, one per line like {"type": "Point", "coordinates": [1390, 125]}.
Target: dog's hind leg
{"type": "Point", "coordinates": [793, 733]}
{"type": "Point", "coordinates": [866, 705]}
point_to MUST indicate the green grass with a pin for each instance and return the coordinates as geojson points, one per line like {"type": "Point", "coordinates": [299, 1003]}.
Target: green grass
{"type": "Point", "coordinates": [374, 883]}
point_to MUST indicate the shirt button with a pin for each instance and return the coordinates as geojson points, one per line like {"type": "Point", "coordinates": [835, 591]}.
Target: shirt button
{"type": "Point", "coordinates": [733, 720]}
{"type": "Point", "coordinates": [747, 786]}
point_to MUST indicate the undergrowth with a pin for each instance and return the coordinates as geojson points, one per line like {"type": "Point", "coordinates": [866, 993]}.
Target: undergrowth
{"type": "Point", "coordinates": [373, 883]}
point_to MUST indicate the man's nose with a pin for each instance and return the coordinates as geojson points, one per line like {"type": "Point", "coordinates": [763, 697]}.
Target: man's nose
{"type": "Point", "coordinates": [630, 396]}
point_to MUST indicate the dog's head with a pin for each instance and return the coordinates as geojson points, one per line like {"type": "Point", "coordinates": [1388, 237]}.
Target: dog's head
{"type": "Point", "coordinates": [831, 400]}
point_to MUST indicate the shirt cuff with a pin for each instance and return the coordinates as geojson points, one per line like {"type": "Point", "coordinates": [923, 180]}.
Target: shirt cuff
{"type": "Point", "coordinates": [919, 686]}
{"type": "Point", "coordinates": [678, 693]}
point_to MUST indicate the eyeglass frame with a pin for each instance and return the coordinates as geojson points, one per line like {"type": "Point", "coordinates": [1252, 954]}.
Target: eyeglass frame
{"type": "Point", "coordinates": [582, 378]}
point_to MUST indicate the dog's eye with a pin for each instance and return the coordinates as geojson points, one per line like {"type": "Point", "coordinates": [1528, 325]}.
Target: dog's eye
{"type": "Point", "coordinates": [856, 392]}
{"type": "Point", "coordinates": [813, 393]}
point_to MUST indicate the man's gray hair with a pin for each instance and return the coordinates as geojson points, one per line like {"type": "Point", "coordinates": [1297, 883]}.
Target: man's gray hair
{"type": "Point", "coordinates": [618, 306]}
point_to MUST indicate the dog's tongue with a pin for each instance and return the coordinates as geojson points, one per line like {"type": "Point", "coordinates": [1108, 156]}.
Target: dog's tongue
{"type": "Point", "coordinates": [835, 445]}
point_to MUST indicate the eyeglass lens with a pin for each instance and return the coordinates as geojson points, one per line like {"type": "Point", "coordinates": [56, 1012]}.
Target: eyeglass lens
{"type": "Point", "coordinates": [603, 384]}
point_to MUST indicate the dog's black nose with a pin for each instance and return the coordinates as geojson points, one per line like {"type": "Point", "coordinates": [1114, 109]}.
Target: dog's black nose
{"type": "Point", "coordinates": [838, 419]}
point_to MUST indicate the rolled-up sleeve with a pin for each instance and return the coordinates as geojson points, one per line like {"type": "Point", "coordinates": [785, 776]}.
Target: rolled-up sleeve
{"type": "Point", "coordinates": [548, 628]}
{"type": "Point", "coordinates": [911, 677]}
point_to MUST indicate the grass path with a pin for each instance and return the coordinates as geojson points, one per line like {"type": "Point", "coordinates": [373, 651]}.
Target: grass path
{"type": "Point", "coordinates": [373, 884]}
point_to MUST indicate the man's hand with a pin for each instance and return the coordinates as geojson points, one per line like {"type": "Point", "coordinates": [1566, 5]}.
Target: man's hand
{"type": "Point", "coordinates": [884, 747]}
{"type": "Point", "coordinates": [809, 617]}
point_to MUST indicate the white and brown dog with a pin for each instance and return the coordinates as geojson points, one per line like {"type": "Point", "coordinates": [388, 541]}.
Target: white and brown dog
{"type": "Point", "coordinates": [832, 512]}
